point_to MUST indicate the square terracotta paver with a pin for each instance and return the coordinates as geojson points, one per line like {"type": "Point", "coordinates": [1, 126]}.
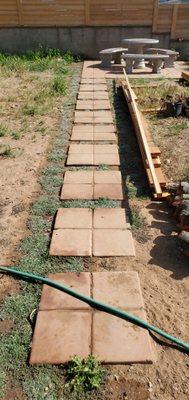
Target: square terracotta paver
{"type": "Point", "coordinates": [103, 120]}
{"type": "Point", "coordinates": [85, 96]}
{"type": "Point", "coordinates": [84, 113]}
{"type": "Point", "coordinates": [85, 105]}
{"type": "Point", "coordinates": [110, 218]}
{"type": "Point", "coordinates": [111, 137]}
{"type": "Point", "coordinates": [107, 177]}
{"type": "Point", "coordinates": [53, 299]}
{"type": "Point", "coordinates": [73, 218]}
{"type": "Point", "coordinates": [104, 128]}
{"type": "Point", "coordinates": [109, 159]}
{"type": "Point", "coordinates": [83, 120]}
{"type": "Point", "coordinates": [86, 128]}
{"type": "Point", "coordinates": [78, 177]}
{"type": "Point", "coordinates": [108, 191]}
{"type": "Point", "coordinates": [113, 242]}
{"type": "Point", "coordinates": [119, 289]}
{"type": "Point", "coordinates": [77, 136]}
{"type": "Point", "coordinates": [105, 149]}
{"type": "Point", "coordinates": [80, 159]}
{"type": "Point", "coordinates": [74, 191]}
{"type": "Point", "coordinates": [86, 88]}
{"type": "Point", "coordinates": [59, 335]}
{"type": "Point", "coordinates": [101, 105]}
{"type": "Point", "coordinates": [118, 341]}
{"type": "Point", "coordinates": [81, 149]}
{"type": "Point", "coordinates": [71, 242]}
{"type": "Point", "coordinates": [100, 95]}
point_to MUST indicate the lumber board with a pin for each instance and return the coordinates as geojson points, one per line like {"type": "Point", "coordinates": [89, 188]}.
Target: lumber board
{"type": "Point", "coordinates": [142, 140]}
{"type": "Point", "coordinates": [185, 75]}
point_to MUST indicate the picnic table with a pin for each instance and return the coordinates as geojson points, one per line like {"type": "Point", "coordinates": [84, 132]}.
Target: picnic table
{"type": "Point", "coordinates": [137, 45]}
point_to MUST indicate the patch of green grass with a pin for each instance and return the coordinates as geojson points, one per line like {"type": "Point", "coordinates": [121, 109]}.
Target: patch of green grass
{"type": "Point", "coordinates": [31, 109]}
{"type": "Point", "coordinates": [52, 170]}
{"type": "Point", "coordinates": [2, 383]}
{"type": "Point", "coordinates": [136, 219]}
{"type": "Point", "coordinates": [46, 206]}
{"type": "Point", "coordinates": [177, 128]}
{"type": "Point", "coordinates": [20, 304]}
{"type": "Point", "coordinates": [4, 130]}
{"type": "Point", "coordinates": [7, 151]}
{"type": "Point", "coordinates": [50, 183]}
{"type": "Point", "coordinates": [91, 204]}
{"type": "Point", "coordinates": [43, 265]}
{"type": "Point", "coordinates": [13, 353]}
{"type": "Point", "coordinates": [103, 167]}
{"type": "Point", "coordinates": [35, 245]}
{"type": "Point", "coordinates": [16, 135]}
{"type": "Point", "coordinates": [38, 224]}
{"type": "Point", "coordinates": [84, 375]}
{"type": "Point", "coordinates": [42, 384]}
{"type": "Point", "coordinates": [59, 85]}
{"type": "Point", "coordinates": [56, 155]}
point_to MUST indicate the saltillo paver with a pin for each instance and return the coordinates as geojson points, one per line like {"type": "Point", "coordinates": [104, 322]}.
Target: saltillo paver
{"type": "Point", "coordinates": [73, 235]}
{"type": "Point", "coordinates": [109, 159]}
{"type": "Point", "coordinates": [92, 185]}
{"type": "Point", "coordinates": [66, 326]}
{"type": "Point", "coordinates": [112, 243]}
{"type": "Point", "coordinates": [71, 242]}
{"type": "Point", "coordinates": [90, 81]}
{"type": "Point", "coordinates": [81, 159]}
{"type": "Point", "coordinates": [85, 154]}
{"type": "Point", "coordinates": [52, 299]}
{"type": "Point", "coordinates": [92, 88]}
{"type": "Point", "coordinates": [93, 96]}
{"type": "Point", "coordinates": [58, 336]}
{"type": "Point", "coordinates": [98, 137]}
{"type": "Point", "coordinates": [93, 105]}
{"type": "Point", "coordinates": [74, 218]}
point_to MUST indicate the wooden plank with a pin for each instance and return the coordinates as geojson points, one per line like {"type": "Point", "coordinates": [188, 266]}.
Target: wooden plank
{"type": "Point", "coordinates": [19, 6]}
{"type": "Point", "coordinates": [155, 16]}
{"type": "Point", "coordinates": [87, 12]}
{"type": "Point", "coordinates": [174, 20]}
{"type": "Point", "coordinates": [185, 75]}
{"type": "Point", "coordinates": [142, 138]}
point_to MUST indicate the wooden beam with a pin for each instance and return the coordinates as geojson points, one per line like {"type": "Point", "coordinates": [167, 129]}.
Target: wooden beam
{"type": "Point", "coordinates": [19, 7]}
{"type": "Point", "coordinates": [143, 143]}
{"type": "Point", "coordinates": [155, 16]}
{"type": "Point", "coordinates": [174, 21]}
{"type": "Point", "coordinates": [87, 12]}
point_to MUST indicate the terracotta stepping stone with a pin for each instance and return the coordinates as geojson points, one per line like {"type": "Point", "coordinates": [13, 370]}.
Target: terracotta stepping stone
{"type": "Point", "coordinates": [79, 176]}
{"type": "Point", "coordinates": [74, 191]}
{"type": "Point", "coordinates": [110, 128]}
{"type": "Point", "coordinates": [97, 113]}
{"type": "Point", "coordinates": [104, 137]}
{"type": "Point", "coordinates": [65, 326]}
{"type": "Point", "coordinates": [112, 242]}
{"type": "Point", "coordinates": [95, 87]}
{"type": "Point", "coordinates": [80, 159]}
{"type": "Point", "coordinates": [119, 289]}
{"type": "Point", "coordinates": [107, 177]}
{"type": "Point", "coordinates": [103, 120]}
{"type": "Point", "coordinates": [110, 218]}
{"type": "Point", "coordinates": [101, 105]}
{"type": "Point", "coordinates": [84, 105]}
{"type": "Point", "coordinates": [83, 128]}
{"type": "Point", "coordinates": [90, 81]}
{"type": "Point", "coordinates": [105, 149]}
{"type": "Point", "coordinates": [84, 136]}
{"type": "Point", "coordinates": [83, 120]}
{"type": "Point", "coordinates": [59, 335]}
{"type": "Point", "coordinates": [84, 113]}
{"type": "Point", "coordinates": [81, 149]}
{"type": "Point", "coordinates": [73, 218]}
{"type": "Point", "coordinates": [71, 242]}
{"type": "Point", "coordinates": [109, 159]}
{"type": "Point", "coordinates": [119, 341]}
{"type": "Point", "coordinates": [53, 299]}
{"type": "Point", "coordinates": [108, 191]}
{"type": "Point", "coordinates": [93, 96]}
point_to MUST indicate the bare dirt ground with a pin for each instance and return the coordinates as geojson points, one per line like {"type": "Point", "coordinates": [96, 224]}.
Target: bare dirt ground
{"type": "Point", "coordinates": [163, 272]}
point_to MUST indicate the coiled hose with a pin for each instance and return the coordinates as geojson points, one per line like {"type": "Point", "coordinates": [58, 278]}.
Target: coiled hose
{"type": "Point", "coordinates": [94, 303]}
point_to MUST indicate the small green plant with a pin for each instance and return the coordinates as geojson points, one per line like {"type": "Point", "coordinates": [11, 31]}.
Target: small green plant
{"type": "Point", "coordinates": [176, 129]}
{"type": "Point", "coordinates": [30, 110]}
{"type": "Point", "coordinates": [6, 151]}
{"type": "Point", "coordinates": [3, 130]}
{"type": "Point", "coordinates": [59, 85]}
{"type": "Point", "coordinates": [84, 375]}
{"type": "Point", "coordinates": [16, 135]}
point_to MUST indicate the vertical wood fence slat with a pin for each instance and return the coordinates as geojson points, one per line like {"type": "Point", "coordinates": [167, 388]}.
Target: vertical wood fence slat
{"type": "Point", "coordinates": [87, 12]}
{"type": "Point", "coordinates": [155, 16]}
{"type": "Point", "coordinates": [174, 20]}
{"type": "Point", "coordinates": [19, 7]}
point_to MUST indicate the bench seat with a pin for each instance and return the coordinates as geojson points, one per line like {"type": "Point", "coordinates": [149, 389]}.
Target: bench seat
{"type": "Point", "coordinates": [109, 55]}
{"type": "Point", "coordinates": [155, 59]}
{"type": "Point", "coordinates": [173, 55]}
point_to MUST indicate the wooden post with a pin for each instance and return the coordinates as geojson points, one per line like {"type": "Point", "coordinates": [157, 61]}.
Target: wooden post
{"type": "Point", "coordinates": [155, 16]}
{"type": "Point", "coordinates": [87, 12]}
{"type": "Point", "coordinates": [19, 7]}
{"type": "Point", "coordinates": [174, 21]}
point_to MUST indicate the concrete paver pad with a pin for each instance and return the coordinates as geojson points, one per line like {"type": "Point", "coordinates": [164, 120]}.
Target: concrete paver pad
{"type": "Point", "coordinates": [78, 177]}
{"type": "Point", "coordinates": [108, 191]}
{"type": "Point", "coordinates": [60, 335]}
{"type": "Point", "coordinates": [71, 242]}
{"type": "Point", "coordinates": [110, 218]}
{"type": "Point", "coordinates": [73, 218]}
{"type": "Point", "coordinates": [112, 242]}
{"type": "Point", "coordinates": [76, 191]}
{"type": "Point", "coordinates": [52, 299]}
{"type": "Point", "coordinates": [66, 326]}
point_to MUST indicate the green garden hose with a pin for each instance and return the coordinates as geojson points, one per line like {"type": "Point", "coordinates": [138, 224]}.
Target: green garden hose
{"type": "Point", "coordinates": [95, 304]}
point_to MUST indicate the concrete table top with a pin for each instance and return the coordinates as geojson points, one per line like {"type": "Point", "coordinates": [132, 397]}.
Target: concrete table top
{"type": "Point", "coordinates": [141, 41]}
{"type": "Point", "coordinates": [137, 45]}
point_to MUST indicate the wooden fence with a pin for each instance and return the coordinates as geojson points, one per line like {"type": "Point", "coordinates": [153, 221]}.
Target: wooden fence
{"type": "Point", "coordinates": [165, 18]}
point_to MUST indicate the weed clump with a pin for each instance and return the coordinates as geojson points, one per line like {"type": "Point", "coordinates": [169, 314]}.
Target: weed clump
{"type": "Point", "coordinates": [84, 375]}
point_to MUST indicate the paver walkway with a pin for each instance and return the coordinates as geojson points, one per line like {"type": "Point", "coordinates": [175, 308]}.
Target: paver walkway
{"type": "Point", "coordinates": [91, 185]}
{"type": "Point", "coordinates": [85, 232]}
{"type": "Point", "coordinates": [66, 326]}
